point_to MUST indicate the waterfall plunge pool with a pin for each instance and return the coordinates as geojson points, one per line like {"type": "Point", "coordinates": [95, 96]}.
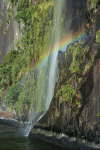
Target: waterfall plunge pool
{"type": "Point", "coordinates": [8, 141]}
{"type": "Point", "coordinates": [40, 139]}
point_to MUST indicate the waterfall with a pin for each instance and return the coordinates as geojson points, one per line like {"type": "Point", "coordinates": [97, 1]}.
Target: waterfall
{"type": "Point", "coordinates": [36, 89]}
{"type": "Point", "coordinates": [42, 79]}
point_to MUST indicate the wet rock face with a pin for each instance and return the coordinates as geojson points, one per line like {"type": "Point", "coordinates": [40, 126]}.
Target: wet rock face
{"type": "Point", "coordinates": [69, 118]}
{"type": "Point", "coordinates": [78, 10]}
{"type": "Point", "coordinates": [89, 119]}
{"type": "Point", "coordinates": [6, 115]}
{"type": "Point", "coordinates": [92, 108]}
{"type": "Point", "coordinates": [81, 119]}
{"type": "Point", "coordinates": [74, 13]}
{"type": "Point", "coordinates": [4, 36]}
{"type": "Point", "coordinates": [6, 31]}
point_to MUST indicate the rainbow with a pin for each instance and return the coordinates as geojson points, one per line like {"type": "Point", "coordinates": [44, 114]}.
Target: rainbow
{"type": "Point", "coordinates": [66, 41]}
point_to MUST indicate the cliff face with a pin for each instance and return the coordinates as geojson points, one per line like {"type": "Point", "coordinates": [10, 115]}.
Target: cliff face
{"type": "Point", "coordinates": [35, 22]}
{"type": "Point", "coordinates": [75, 108]}
{"type": "Point", "coordinates": [4, 37]}
{"type": "Point", "coordinates": [8, 28]}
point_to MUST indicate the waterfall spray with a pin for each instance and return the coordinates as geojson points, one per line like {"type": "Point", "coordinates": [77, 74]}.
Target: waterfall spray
{"type": "Point", "coordinates": [45, 74]}
{"type": "Point", "coordinates": [35, 90]}
{"type": "Point", "coordinates": [41, 80]}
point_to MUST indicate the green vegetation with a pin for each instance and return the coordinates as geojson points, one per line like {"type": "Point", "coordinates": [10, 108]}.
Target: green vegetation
{"type": "Point", "coordinates": [98, 36]}
{"type": "Point", "coordinates": [98, 115]}
{"type": "Point", "coordinates": [36, 19]}
{"type": "Point", "coordinates": [92, 3]}
{"type": "Point", "coordinates": [73, 76]}
{"type": "Point", "coordinates": [66, 92]}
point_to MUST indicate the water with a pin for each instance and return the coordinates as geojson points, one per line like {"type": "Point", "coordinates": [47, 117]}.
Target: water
{"type": "Point", "coordinates": [37, 86]}
{"type": "Point", "coordinates": [9, 142]}
{"type": "Point", "coordinates": [41, 88]}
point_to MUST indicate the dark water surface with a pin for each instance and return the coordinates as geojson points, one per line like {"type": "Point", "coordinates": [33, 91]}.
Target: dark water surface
{"type": "Point", "coordinates": [11, 142]}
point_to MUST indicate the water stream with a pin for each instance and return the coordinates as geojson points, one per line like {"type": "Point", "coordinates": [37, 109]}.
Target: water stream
{"type": "Point", "coordinates": [40, 81]}
{"type": "Point", "coordinates": [45, 75]}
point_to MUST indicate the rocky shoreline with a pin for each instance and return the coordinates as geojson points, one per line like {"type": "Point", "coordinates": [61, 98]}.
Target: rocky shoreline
{"type": "Point", "coordinates": [64, 140]}
{"type": "Point", "coordinates": [52, 136]}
